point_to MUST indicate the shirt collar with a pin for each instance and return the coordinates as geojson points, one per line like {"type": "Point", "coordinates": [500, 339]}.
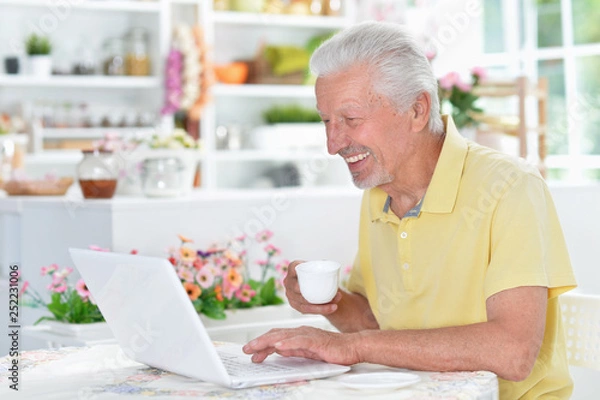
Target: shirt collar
{"type": "Point", "coordinates": [443, 188]}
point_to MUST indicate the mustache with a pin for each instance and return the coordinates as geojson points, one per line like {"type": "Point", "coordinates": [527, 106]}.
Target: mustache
{"type": "Point", "coordinates": [348, 151]}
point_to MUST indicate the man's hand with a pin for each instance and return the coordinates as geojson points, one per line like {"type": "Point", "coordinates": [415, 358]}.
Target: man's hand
{"type": "Point", "coordinates": [292, 291]}
{"type": "Point", "coordinates": [307, 342]}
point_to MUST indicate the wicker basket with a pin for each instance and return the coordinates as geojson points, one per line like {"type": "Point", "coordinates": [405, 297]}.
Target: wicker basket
{"type": "Point", "coordinates": [38, 188]}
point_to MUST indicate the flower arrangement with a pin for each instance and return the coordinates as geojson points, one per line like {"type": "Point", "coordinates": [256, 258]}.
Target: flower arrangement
{"type": "Point", "coordinates": [178, 139]}
{"type": "Point", "coordinates": [68, 303]}
{"type": "Point", "coordinates": [219, 278]}
{"type": "Point", "coordinates": [459, 95]}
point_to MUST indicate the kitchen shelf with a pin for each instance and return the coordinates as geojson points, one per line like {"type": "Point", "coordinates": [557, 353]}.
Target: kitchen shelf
{"type": "Point", "coordinates": [267, 91]}
{"type": "Point", "coordinates": [81, 81]}
{"type": "Point", "coordinates": [263, 19]}
{"type": "Point", "coordinates": [126, 6]}
{"type": "Point", "coordinates": [267, 155]}
{"type": "Point", "coordinates": [90, 133]}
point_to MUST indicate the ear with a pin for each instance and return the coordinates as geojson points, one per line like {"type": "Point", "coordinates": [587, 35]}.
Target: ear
{"type": "Point", "coordinates": [420, 112]}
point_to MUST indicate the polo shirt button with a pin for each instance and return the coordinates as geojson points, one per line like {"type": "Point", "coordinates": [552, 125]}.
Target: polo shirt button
{"type": "Point", "coordinates": [406, 266]}
{"type": "Point", "coordinates": [403, 235]}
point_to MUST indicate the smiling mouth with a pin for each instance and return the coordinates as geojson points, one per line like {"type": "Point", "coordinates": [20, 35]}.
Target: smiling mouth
{"type": "Point", "coordinates": [357, 158]}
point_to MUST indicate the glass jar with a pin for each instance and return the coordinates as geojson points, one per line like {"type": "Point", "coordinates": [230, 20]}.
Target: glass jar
{"type": "Point", "coordinates": [162, 177]}
{"type": "Point", "coordinates": [97, 174]}
{"type": "Point", "coordinates": [137, 59]}
{"type": "Point", "coordinates": [114, 57]}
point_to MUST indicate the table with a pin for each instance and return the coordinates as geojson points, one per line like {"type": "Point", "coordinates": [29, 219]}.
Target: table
{"type": "Point", "coordinates": [104, 372]}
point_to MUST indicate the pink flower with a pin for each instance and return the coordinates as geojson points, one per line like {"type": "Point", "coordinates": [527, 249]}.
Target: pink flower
{"type": "Point", "coordinates": [282, 267]}
{"type": "Point", "coordinates": [185, 274]}
{"type": "Point", "coordinates": [24, 288]}
{"type": "Point", "coordinates": [82, 289]}
{"type": "Point", "coordinates": [347, 269]}
{"type": "Point", "coordinates": [60, 289]}
{"type": "Point", "coordinates": [262, 263]}
{"type": "Point", "coordinates": [448, 80]}
{"type": "Point", "coordinates": [229, 289]}
{"type": "Point", "coordinates": [240, 238]}
{"type": "Point", "coordinates": [205, 278]}
{"type": "Point", "coordinates": [48, 270]}
{"type": "Point", "coordinates": [463, 86]}
{"type": "Point", "coordinates": [264, 235]}
{"type": "Point", "coordinates": [199, 263]}
{"type": "Point", "coordinates": [430, 54]}
{"type": "Point", "coordinates": [479, 72]}
{"type": "Point", "coordinates": [272, 250]}
{"type": "Point", "coordinates": [97, 248]}
{"type": "Point", "coordinates": [245, 293]}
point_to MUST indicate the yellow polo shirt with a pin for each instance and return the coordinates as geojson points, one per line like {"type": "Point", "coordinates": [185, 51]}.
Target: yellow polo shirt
{"type": "Point", "coordinates": [486, 224]}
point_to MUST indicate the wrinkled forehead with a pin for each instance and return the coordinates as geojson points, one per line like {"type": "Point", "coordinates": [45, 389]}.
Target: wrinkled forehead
{"type": "Point", "coordinates": [344, 90]}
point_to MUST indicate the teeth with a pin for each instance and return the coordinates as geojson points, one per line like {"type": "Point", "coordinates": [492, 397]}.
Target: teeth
{"type": "Point", "coordinates": [356, 158]}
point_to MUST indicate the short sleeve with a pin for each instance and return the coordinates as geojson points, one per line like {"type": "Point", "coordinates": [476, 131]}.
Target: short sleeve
{"type": "Point", "coordinates": [527, 244]}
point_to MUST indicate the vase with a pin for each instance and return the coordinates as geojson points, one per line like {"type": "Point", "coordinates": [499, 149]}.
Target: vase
{"type": "Point", "coordinates": [40, 65]}
{"type": "Point", "coordinates": [94, 330]}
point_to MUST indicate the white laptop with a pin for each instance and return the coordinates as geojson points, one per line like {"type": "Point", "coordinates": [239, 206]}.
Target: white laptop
{"type": "Point", "coordinates": [155, 323]}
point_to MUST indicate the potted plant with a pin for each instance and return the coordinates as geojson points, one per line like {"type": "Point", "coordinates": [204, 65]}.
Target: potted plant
{"type": "Point", "coordinates": [289, 127]}
{"type": "Point", "coordinates": [245, 273]}
{"type": "Point", "coordinates": [38, 49]}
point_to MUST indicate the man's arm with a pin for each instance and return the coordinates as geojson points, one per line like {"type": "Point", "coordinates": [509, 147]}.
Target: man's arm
{"type": "Point", "coordinates": [507, 344]}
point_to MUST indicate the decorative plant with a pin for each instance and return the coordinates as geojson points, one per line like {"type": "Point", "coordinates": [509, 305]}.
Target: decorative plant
{"type": "Point", "coordinates": [460, 96]}
{"type": "Point", "coordinates": [178, 139]}
{"type": "Point", "coordinates": [219, 278]}
{"type": "Point", "coordinates": [68, 303]}
{"type": "Point", "coordinates": [290, 113]}
{"type": "Point", "coordinates": [37, 45]}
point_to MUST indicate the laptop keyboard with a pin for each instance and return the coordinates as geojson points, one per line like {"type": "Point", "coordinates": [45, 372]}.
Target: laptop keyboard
{"type": "Point", "coordinates": [236, 368]}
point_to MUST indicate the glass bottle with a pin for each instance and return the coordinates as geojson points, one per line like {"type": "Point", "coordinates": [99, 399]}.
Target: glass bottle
{"type": "Point", "coordinates": [137, 60]}
{"type": "Point", "coordinates": [114, 57]}
{"type": "Point", "coordinates": [97, 174]}
{"type": "Point", "coordinates": [162, 177]}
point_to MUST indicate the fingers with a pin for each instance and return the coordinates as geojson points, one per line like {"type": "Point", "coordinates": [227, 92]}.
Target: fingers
{"type": "Point", "coordinates": [292, 291]}
{"type": "Point", "coordinates": [269, 343]}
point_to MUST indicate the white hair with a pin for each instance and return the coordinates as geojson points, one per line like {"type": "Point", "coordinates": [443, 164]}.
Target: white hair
{"type": "Point", "coordinates": [400, 70]}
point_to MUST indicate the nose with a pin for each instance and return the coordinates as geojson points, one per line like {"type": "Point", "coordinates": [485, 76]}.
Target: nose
{"type": "Point", "coordinates": [336, 138]}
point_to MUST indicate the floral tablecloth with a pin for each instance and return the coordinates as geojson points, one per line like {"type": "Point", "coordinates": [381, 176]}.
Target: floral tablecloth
{"type": "Point", "coordinates": [104, 372]}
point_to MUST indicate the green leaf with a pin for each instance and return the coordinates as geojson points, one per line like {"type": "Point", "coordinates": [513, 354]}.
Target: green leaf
{"type": "Point", "coordinates": [268, 292]}
{"type": "Point", "coordinates": [214, 309]}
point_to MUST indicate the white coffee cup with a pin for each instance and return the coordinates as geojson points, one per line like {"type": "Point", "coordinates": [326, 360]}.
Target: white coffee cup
{"type": "Point", "coordinates": [318, 280]}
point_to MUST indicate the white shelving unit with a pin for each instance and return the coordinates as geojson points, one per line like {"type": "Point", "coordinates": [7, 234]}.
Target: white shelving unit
{"type": "Point", "coordinates": [229, 35]}
{"type": "Point", "coordinates": [106, 5]}
{"type": "Point", "coordinates": [91, 22]}
{"type": "Point", "coordinates": [237, 36]}
{"type": "Point", "coordinates": [82, 82]}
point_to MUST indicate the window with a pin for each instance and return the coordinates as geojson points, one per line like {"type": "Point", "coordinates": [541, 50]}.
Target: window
{"type": "Point", "coordinates": [560, 40]}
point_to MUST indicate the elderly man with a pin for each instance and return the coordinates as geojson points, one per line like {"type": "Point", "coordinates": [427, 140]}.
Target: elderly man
{"type": "Point", "coordinates": [461, 257]}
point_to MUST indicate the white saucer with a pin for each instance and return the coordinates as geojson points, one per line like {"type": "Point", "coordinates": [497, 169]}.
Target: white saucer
{"type": "Point", "coordinates": [378, 380]}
